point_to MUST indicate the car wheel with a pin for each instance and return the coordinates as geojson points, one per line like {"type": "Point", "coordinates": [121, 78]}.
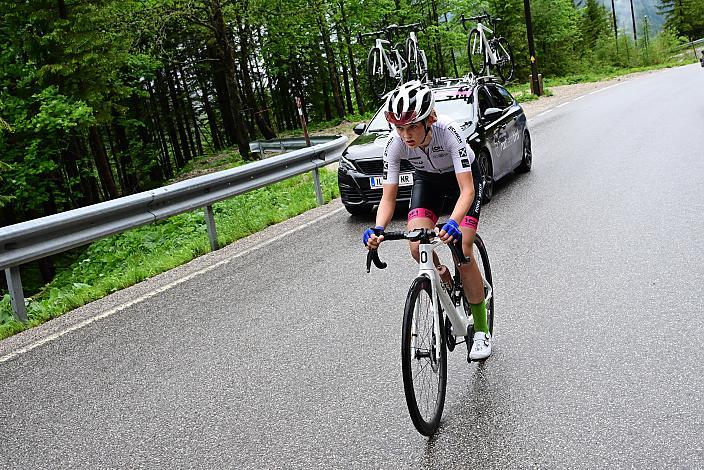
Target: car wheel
{"type": "Point", "coordinates": [487, 175]}
{"type": "Point", "coordinates": [527, 158]}
{"type": "Point", "coordinates": [359, 210]}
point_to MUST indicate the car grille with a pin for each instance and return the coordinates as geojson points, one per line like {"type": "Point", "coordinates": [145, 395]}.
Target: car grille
{"type": "Point", "coordinates": [376, 167]}
{"type": "Point", "coordinates": [371, 196]}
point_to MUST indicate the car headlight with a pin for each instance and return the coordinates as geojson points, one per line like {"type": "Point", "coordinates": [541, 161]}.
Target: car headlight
{"type": "Point", "coordinates": [346, 164]}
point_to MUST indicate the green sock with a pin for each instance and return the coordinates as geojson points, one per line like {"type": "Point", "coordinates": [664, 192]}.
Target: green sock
{"type": "Point", "coordinates": [479, 315]}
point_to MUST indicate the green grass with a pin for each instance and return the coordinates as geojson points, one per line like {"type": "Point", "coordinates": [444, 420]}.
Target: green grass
{"type": "Point", "coordinates": [606, 74]}
{"type": "Point", "coordinates": [122, 260]}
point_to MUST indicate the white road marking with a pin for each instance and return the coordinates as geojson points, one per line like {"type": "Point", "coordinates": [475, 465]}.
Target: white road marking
{"type": "Point", "coordinates": [579, 98]}
{"type": "Point", "coordinates": [175, 283]}
{"type": "Point", "coordinates": [561, 105]}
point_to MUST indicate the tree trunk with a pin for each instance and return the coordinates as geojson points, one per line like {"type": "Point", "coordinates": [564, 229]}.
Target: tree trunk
{"type": "Point", "coordinates": [186, 112]}
{"type": "Point", "coordinates": [192, 112]}
{"type": "Point", "coordinates": [350, 58]}
{"type": "Point", "coordinates": [212, 119]}
{"type": "Point", "coordinates": [180, 126]}
{"type": "Point", "coordinates": [102, 164]}
{"type": "Point", "coordinates": [256, 109]}
{"type": "Point", "coordinates": [438, 46]}
{"type": "Point", "coordinates": [166, 110]}
{"type": "Point", "coordinates": [225, 53]}
{"type": "Point", "coordinates": [345, 75]}
{"type": "Point", "coordinates": [165, 161]}
{"type": "Point", "coordinates": [125, 158]}
{"type": "Point", "coordinates": [332, 66]}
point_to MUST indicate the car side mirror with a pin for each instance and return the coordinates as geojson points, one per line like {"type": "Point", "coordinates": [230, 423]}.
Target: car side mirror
{"type": "Point", "coordinates": [492, 114]}
{"type": "Point", "coordinates": [359, 128]}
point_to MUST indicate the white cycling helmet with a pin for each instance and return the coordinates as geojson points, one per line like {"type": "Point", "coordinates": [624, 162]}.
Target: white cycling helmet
{"type": "Point", "coordinates": [411, 102]}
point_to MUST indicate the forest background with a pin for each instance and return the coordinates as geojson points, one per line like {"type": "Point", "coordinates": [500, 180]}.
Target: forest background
{"type": "Point", "coordinates": [105, 98]}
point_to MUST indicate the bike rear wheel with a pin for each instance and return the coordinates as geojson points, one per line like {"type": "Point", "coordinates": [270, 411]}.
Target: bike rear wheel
{"type": "Point", "coordinates": [417, 63]}
{"type": "Point", "coordinates": [476, 53]}
{"type": "Point", "coordinates": [423, 358]}
{"type": "Point", "coordinates": [379, 79]}
{"type": "Point", "coordinates": [504, 60]}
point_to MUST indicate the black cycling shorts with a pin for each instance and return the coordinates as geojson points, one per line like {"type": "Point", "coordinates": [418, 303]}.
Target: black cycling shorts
{"type": "Point", "coordinates": [432, 190]}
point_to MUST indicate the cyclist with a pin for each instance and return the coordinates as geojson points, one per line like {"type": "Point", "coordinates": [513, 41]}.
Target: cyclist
{"type": "Point", "coordinates": [445, 166]}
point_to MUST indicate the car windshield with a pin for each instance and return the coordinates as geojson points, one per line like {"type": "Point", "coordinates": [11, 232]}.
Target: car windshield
{"type": "Point", "coordinates": [457, 109]}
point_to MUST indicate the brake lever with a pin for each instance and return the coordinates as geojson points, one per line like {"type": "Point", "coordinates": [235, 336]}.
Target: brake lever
{"type": "Point", "coordinates": [373, 255]}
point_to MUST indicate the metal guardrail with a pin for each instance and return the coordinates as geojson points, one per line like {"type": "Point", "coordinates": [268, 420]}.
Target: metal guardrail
{"type": "Point", "coordinates": [35, 239]}
{"type": "Point", "coordinates": [281, 145]}
{"type": "Point", "coordinates": [693, 43]}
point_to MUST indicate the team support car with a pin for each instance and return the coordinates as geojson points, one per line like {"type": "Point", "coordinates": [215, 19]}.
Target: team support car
{"type": "Point", "coordinates": [490, 119]}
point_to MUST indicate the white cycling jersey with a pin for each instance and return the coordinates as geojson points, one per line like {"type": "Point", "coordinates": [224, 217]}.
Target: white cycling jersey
{"type": "Point", "coordinates": [447, 152]}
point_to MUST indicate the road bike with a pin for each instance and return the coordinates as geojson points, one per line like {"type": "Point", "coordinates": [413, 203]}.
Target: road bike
{"type": "Point", "coordinates": [486, 53]}
{"type": "Point", "coordinates": [388, 69]}
{"type": "Point", "coordinates": [434, 319]}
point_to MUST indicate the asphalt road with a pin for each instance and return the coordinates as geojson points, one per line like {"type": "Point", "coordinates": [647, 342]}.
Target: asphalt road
{"type": "Point", "coordinates": [285, 353]}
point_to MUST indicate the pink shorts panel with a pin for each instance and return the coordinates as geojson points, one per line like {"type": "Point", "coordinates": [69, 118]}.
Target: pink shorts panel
{"type": "Point", "coordinates": [420, 212]}
{"type": "Point", "coordinates": [470, 222]}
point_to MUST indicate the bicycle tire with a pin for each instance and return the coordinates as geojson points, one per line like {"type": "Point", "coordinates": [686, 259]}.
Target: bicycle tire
{"type": "Point", "coordinates": [423, 66]}
{"type": "Point", "coordinates": [505, 64]}
{"type": "Point", "coordinates": [482, 255]}
{"type": "Point", "coordinates": [476, 54]}
{"type": "Point", "coordinates": [424, 407]}
{"type": "Point", "coordinates": [377, 74]}
{"type": "Point", "coordinates": [412, 60]}
{"type": "Point", "coordinates": [417, 62]}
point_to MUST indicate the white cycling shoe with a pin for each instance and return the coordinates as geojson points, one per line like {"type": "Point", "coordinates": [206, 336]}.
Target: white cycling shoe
{"type": "Point", "coordinates": [481, 349]}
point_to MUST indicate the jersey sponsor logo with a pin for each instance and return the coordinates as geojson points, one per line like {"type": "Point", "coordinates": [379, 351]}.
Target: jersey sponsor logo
{"type": "Point", "coordinates": [388, 143]}
{"type": "Point", "coordinates": [463, 152]}
{"type": "Point", "coordinates": [438, 149]}
{"type": "Point", "coordinates": [465, 163]}
{"type": "Point", "coordinates": [386, 165]}
{"type": "Point", "coordinates": [454, 132]}
{"type": "Point", "coordinates": [385, 175]}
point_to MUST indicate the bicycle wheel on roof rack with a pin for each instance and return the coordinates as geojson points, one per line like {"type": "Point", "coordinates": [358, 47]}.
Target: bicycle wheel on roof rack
{"type": "Point", "coordinates": [504, 60]}
{"type": "Point", "coordinates": [476, 54]}
{"type": "Point", "coordinates": [417, 63]}
{"type": "Point", "coordinates": [379, 79]}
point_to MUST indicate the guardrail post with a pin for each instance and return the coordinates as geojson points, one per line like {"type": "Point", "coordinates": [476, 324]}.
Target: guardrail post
{"type": "Point", "coordinates": [318, 189]}
{"type": "Point", "coordinates": [14, 285]}
{"type": "Point", "coordinates": [212, 230]}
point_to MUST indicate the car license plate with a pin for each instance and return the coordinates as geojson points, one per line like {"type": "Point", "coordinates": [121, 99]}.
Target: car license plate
{"type": "Point", "coordinates": [404, 179]}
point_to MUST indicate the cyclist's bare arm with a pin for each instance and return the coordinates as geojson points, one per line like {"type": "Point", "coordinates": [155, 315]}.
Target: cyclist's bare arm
{"type": "Point", "coordinates": [385, 212]}
{"type": "Point", "coordinates": [466, 184]}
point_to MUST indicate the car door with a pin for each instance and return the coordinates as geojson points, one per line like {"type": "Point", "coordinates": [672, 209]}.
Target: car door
{"type": "Point", "coordinates": [495, 132]}
{"type": "Point", "coordinates": [513, 126]}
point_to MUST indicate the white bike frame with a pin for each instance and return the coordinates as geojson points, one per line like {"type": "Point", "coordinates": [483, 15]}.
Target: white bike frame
{"type": "Point", "coordinates": [458, 318]}
{"type": "Point", "coordinates": [391, 67]}
{"type": "Point", "coordinates": [488, 53]}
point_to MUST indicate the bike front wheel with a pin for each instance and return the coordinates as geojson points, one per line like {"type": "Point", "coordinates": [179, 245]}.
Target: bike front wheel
{"type": "Point", "coordinates": [379, 80]}
{"type": "Point", "coordinates": [482, 259]}
{"type": "Point", "coordinates": [423, 358]}
{"type": "Point", "coordinates": [476, 53]}
{"type": "Point", "coordinates": [505, 65]}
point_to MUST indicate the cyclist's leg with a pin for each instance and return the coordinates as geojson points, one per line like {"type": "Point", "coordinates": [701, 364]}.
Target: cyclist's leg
{"type": "Point", "coordinates": [426, 202]}
{"type": "Point", "coordinates": [470, 274]}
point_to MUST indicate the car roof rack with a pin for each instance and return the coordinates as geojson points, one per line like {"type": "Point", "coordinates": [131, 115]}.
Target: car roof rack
{"type": "Point", "coordinates": [469, 79]}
